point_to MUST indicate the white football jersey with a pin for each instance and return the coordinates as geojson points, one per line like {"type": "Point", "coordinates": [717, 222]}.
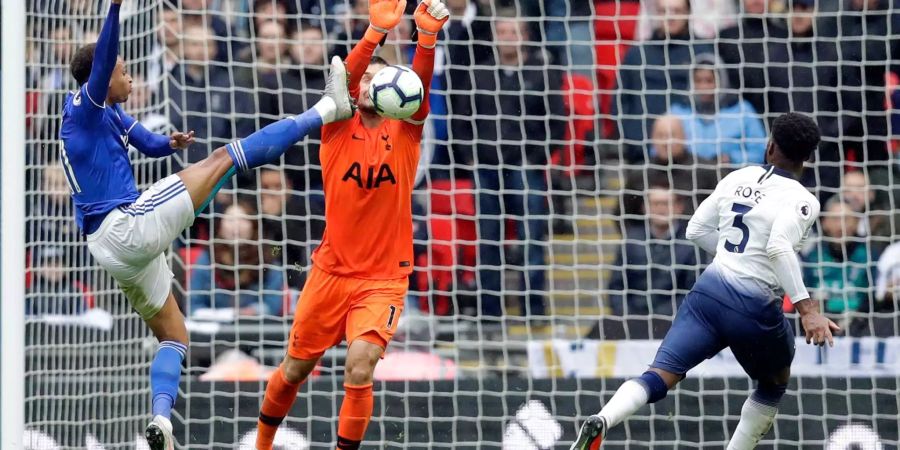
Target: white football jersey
{"type": "Point", "coordinates": [760, 213]}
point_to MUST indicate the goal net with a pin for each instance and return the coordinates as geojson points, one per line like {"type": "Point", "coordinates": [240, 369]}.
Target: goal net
{"type": "Point", "coordinates": [568, 143]}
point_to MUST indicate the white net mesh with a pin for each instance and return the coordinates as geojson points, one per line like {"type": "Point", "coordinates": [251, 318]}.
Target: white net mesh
{"type": "Point", "coordinates": [568, 142]}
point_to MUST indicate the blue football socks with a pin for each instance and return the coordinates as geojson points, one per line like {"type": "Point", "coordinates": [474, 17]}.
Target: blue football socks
{"type": "Point", "coordinates": [165, 372]}
{"type": "Point", "coordinates": [269, 143]}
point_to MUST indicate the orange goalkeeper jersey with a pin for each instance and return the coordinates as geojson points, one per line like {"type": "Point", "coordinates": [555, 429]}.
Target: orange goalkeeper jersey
{"type": "Point", "coordinates": [368, 176]}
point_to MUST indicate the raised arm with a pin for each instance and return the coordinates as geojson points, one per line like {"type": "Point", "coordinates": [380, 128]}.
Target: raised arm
{"type": "Point", "coordinates": [384, 15]}
{"type": "Point", "coordinates": [105, 55]}
{"type": "Point", "coordinates": [431, 15]}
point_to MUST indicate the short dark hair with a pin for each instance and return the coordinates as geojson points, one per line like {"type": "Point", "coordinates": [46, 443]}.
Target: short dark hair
{"type": "Point", "coordinates": [796, 136]}
{"type": "Point", "coordinates": [378, 60]}
{"type": "Point", "coordinates": [82, 62]}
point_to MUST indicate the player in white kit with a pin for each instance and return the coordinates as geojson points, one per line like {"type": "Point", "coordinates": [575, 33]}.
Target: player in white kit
{"type": "Point", "coordinates": [754, 223]}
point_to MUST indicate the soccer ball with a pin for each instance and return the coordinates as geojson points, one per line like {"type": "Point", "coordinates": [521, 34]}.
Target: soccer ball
{"type": "Point", "coordinates": [396, 92]}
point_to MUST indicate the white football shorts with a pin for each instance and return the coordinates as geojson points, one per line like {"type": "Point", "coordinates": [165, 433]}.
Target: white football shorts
{"type": "Point", "coordinates": [131, 243]}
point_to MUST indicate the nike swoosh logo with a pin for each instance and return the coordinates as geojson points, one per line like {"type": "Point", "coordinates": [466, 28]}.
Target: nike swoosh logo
{"type": "Point", "coordinates": [355, 137]}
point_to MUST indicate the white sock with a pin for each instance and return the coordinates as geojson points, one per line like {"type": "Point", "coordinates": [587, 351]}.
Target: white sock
{"type": "Point", "coordinates": [629, 398]}
{"type": "Point", "coordinates": [326, 109]}
{"type": "Point", "coordinates": [756, 419]}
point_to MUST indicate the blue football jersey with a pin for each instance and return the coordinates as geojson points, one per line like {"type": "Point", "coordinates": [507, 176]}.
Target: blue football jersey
{"type": "Point", "coordinates": [94, 154]}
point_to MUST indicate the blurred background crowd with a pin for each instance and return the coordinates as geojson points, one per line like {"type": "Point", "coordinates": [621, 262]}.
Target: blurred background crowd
{"type": "Point", "coordinates": [569, 142]}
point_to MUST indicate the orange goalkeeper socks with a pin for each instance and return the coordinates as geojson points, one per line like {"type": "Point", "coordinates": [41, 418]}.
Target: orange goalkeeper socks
{"type": "Point", "coordinates": [280, 396]}
{"type": "Point", "coordinates": [355, 414]}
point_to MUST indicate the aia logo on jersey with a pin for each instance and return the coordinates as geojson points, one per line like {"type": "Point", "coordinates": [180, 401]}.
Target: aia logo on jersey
{"type": "Point", "coordinates": [371, 179]}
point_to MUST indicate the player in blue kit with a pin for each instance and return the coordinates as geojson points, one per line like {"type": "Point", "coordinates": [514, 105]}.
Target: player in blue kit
{"type": "Point", "coordinates": [128, 231]}
{"type": "Point", "coordinates": [754, 223]}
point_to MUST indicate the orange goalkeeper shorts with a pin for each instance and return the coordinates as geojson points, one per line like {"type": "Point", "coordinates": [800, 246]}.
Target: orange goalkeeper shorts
{"type": "Point", "coordinates": [332, 308]}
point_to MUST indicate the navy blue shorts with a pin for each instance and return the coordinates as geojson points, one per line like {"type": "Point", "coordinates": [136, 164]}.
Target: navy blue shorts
{"type": "Point", "coordinates": [763, 342]}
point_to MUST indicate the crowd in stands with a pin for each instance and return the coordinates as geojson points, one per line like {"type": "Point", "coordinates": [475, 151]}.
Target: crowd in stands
{"type": "Point", "coordinates": [528, 96]}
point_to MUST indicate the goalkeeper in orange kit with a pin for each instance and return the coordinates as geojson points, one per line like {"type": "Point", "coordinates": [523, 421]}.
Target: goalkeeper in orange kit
{"type": "Point", "coordinates": [356, 288]}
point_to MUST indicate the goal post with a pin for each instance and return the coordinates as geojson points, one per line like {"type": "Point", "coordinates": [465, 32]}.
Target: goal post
{"type": "Point", "coordinates": [12, 225]}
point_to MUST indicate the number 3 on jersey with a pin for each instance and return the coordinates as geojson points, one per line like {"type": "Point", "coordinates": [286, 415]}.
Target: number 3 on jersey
{"type": "Point", "coordinates": [738, 223]}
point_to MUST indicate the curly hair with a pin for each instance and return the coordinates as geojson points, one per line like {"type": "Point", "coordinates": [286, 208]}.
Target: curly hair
{"type": "Point", "coordinates": [81, 63]}
{"type": "Point", "coordinates": [796, 136]}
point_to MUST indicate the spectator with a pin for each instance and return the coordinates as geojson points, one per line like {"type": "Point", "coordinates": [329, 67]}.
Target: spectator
{"type": "Point", "coordinates": [707, 17]}
{"type": "Point", "coordinates": [168, 50]}
{"type": "Point", "coordinates": [55, 81]}
{"type": "Point", "coordinates": [690, 177]}
{"type": "Point", "coordinates": [278, 11]}
{"type": "Point", "coordinates": [302, 87]}
{"type": "Point", "coordinates": [803, 77]}
{"type": "Point", "coordinates": [234, 275]}
{"type": "Point", "coordinates": [656, 267]}
{"type": "Point", "coordinates": [51, 210]}
{"type": "Point", "coordinates": [742, 48]}
{"type": "Point", "coordinates": [200, 13]}
{"type": "Point", "coordinates": [874, 215]}
{"type": "Point", "coordinates": [518, 118]}
{"type": "Point", "coordinates": [838, 268]}
{"type": "Point", "coordinates": [354, 26]}
{"type": "Point", "coordinates": [719, 125]}
{"type": "Point", "coordinates": [654, 75]}
{"type": "Point", "coordinates": [263, 67]}
{"type": "Point", "coordinates": [53, 289]}
{"type": "Point", "coordinates": [887, 285]}
{"type": "Point", "coordinates": [867, 33]}
{"type": "Point", "coordinates": [270, 50]}
{"type": "Point", "coordinates": [203, 97]}
{"type": "Point", "coordinates": [466, 31]}
{"type": "Point", "coordinates": [287, 228]}
{"type": "Point", "coordinates": [145, 106]}
{"type": "Point", "coordinates": [569, 23]}
{"type": "Point", "coordinates": [856, 193]}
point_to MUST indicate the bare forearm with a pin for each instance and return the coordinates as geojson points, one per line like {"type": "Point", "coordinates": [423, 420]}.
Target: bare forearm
{"type": "Point", "coordinates": [807, 306]}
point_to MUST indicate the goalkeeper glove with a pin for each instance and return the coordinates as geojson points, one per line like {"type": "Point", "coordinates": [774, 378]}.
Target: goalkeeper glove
{"type": "Point", "coordinates": [384, 15]}
{"type": "Point", "coordinates": [431, 15]}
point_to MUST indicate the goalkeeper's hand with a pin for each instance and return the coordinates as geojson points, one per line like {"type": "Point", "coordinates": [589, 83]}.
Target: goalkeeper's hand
{"type": "Point", "coordinates": [431, 15]}
{"type": "Point", "coordinates": [384, 15]}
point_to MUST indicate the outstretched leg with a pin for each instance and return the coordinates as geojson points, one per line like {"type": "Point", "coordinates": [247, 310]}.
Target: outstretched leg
{"type": "Point", "coordinates": [690, 341]}
{"type": "Point", "coordinates": [204, 179]}
{"type": "Point", "coordinates": [633, 394]}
